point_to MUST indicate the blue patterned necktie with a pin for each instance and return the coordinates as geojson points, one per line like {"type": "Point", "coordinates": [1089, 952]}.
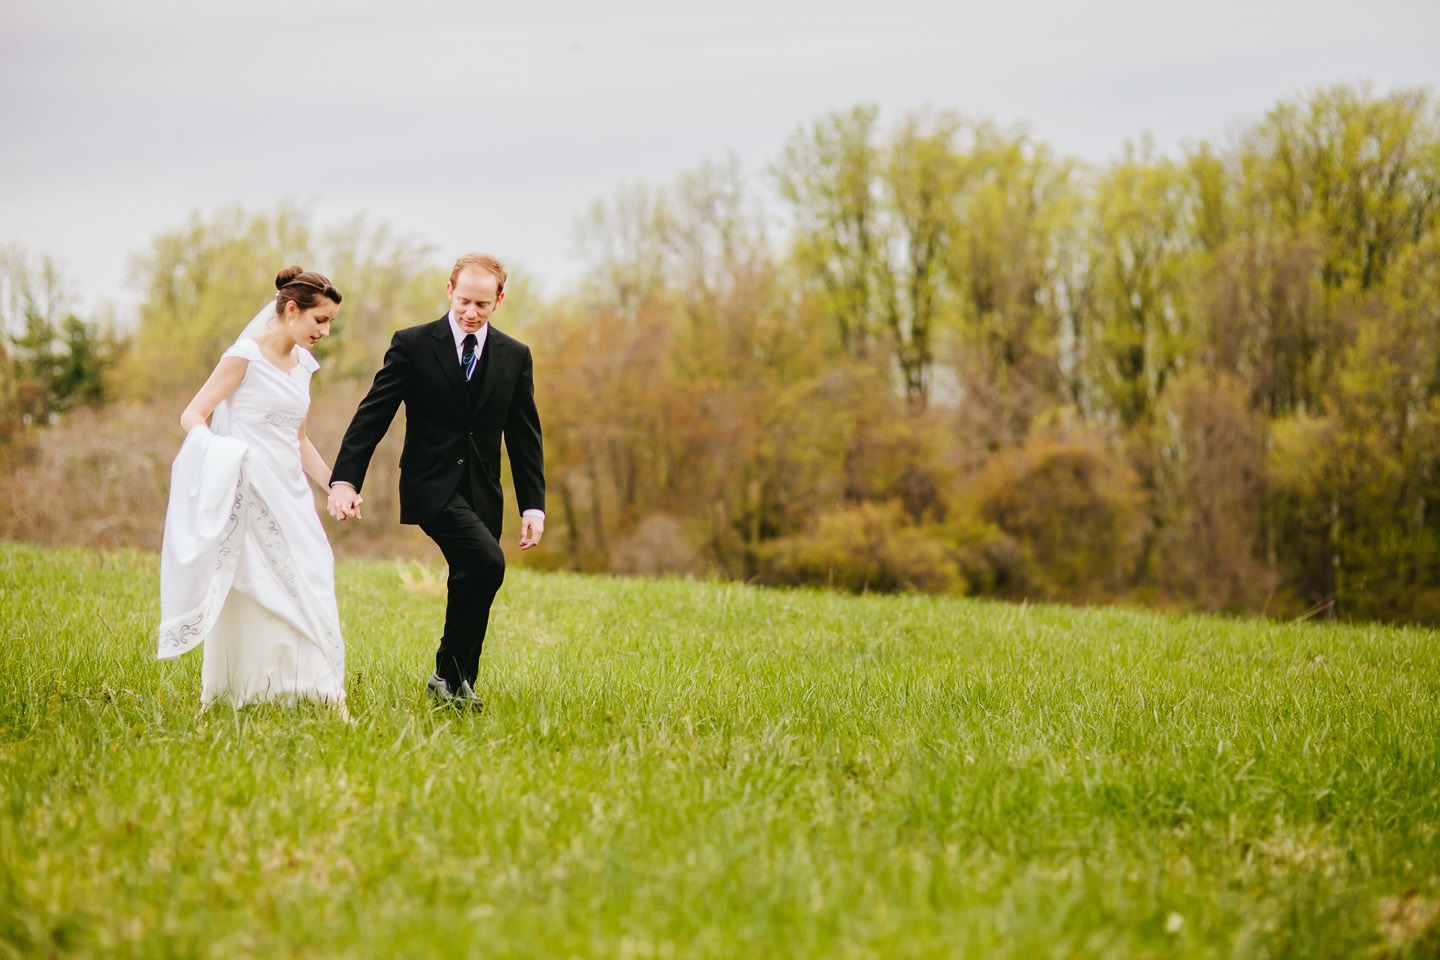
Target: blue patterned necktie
{"type": "Point", "coordinates": [468, 356]}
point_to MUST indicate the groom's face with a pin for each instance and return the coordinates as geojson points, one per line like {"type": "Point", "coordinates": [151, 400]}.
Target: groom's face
{"type": "Point", "coordinates": [473, 298]}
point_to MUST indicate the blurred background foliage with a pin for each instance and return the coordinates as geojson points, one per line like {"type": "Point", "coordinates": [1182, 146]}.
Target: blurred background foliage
{"type": "Point", "coordinates": [924, 355]}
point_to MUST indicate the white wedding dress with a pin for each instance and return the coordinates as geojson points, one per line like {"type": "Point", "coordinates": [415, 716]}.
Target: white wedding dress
{"type": "Point", "coordinates": [245, 567]}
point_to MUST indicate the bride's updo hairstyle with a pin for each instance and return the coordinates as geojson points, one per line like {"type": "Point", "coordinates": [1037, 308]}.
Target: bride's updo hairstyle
{"type": "Point", "coordinates": [302, 287]}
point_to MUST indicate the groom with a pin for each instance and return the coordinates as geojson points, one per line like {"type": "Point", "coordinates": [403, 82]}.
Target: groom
{"type": "Point", "coordinates": [464, 385]}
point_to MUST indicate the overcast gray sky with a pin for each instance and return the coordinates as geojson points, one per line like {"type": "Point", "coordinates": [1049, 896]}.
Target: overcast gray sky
{"type": "Point", "coordinates": [487, 125]}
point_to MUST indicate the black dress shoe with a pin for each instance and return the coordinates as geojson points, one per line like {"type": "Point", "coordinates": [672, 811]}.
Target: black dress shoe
{"type": "Point", "coordinates": [466, 697]}
{"type": "Point", "coordinates": [439, 689]}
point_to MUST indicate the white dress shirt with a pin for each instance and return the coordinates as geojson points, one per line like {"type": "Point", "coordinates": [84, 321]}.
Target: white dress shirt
{"type": "Point", "coordinates": [459, 336]}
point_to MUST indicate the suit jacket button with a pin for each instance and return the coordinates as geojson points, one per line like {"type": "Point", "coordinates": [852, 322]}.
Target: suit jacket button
{"type": "Point", "coordinates": [461, 461]}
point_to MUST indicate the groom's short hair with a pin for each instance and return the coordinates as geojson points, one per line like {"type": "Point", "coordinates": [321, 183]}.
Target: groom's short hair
{"type": "Point", "coordinates": [481, 261]}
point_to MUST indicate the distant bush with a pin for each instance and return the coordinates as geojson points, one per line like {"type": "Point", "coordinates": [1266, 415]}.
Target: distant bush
{"type": "Point", "coordinates": [1071, 520]}
{"type": "Point", "coordinates": [867, 547]}
{"type": "Point", "coordinates": [98, 478]}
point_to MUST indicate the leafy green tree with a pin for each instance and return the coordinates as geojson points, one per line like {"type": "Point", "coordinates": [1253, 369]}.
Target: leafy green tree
{"type": "Point", "coordinates": [1356, 484]}
{"type": "Point", "coordinates": [54, 361]}
{"type": "Point", "coordinates": [922, 179]}
{"type": "Point", "coordinates": [1015, 253]}
{"type": "Point", "coordinates": [1142, 253]}
{"type": "Point", "coordinates": [1342, 190]}
{"type": "Point", "coordinates": [1359, 172]}
{"type": "Point", "coordinates": [79, 371]}
{"type": "Point", "coordinates": [828, 175]}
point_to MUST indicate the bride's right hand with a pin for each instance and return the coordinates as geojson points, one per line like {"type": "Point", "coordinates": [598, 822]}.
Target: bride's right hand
{"type": "Point", "coordinates": [343, 502]}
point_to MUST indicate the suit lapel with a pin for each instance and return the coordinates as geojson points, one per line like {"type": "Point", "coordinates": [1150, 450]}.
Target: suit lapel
{"type": "Point", "coordinates": [495, 347]}
{"type": "Point", "coordinates": [444, 343]}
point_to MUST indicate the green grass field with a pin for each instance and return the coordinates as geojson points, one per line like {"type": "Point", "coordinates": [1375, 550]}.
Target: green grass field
{"type": "Point", "coordinates": [670, 768]}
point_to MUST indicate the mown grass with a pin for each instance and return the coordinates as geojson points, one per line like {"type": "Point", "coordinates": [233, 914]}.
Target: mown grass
{"type": "Point", "coordinates": [669, 768]}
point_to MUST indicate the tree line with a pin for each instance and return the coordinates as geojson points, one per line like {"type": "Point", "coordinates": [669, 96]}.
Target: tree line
{"type": "Point", "coordinates": [934, 354]}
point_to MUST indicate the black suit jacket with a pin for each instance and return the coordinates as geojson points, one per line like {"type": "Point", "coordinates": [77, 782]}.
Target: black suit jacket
{"type": "Point", "coordinates": [446, 434]}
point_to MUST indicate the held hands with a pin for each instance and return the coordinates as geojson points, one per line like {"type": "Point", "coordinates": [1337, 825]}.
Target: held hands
{"type": "Point", "coordinates": [344, 502]}
{"type": "Point", "coordinates": [532, 528]}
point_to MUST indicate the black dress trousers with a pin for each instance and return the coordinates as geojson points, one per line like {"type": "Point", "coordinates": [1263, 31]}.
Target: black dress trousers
{"type": "Point", "coordinates": [477, 567]}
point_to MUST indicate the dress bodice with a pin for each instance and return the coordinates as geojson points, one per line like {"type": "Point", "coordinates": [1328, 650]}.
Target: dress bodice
{"type": "Point", "coordinates": [268, 395]}
{"type": "Point", "coordinates": [268, 408]}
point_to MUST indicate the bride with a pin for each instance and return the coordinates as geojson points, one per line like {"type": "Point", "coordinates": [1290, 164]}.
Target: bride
{"type": "Point", "coordinates": [245, 567]}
